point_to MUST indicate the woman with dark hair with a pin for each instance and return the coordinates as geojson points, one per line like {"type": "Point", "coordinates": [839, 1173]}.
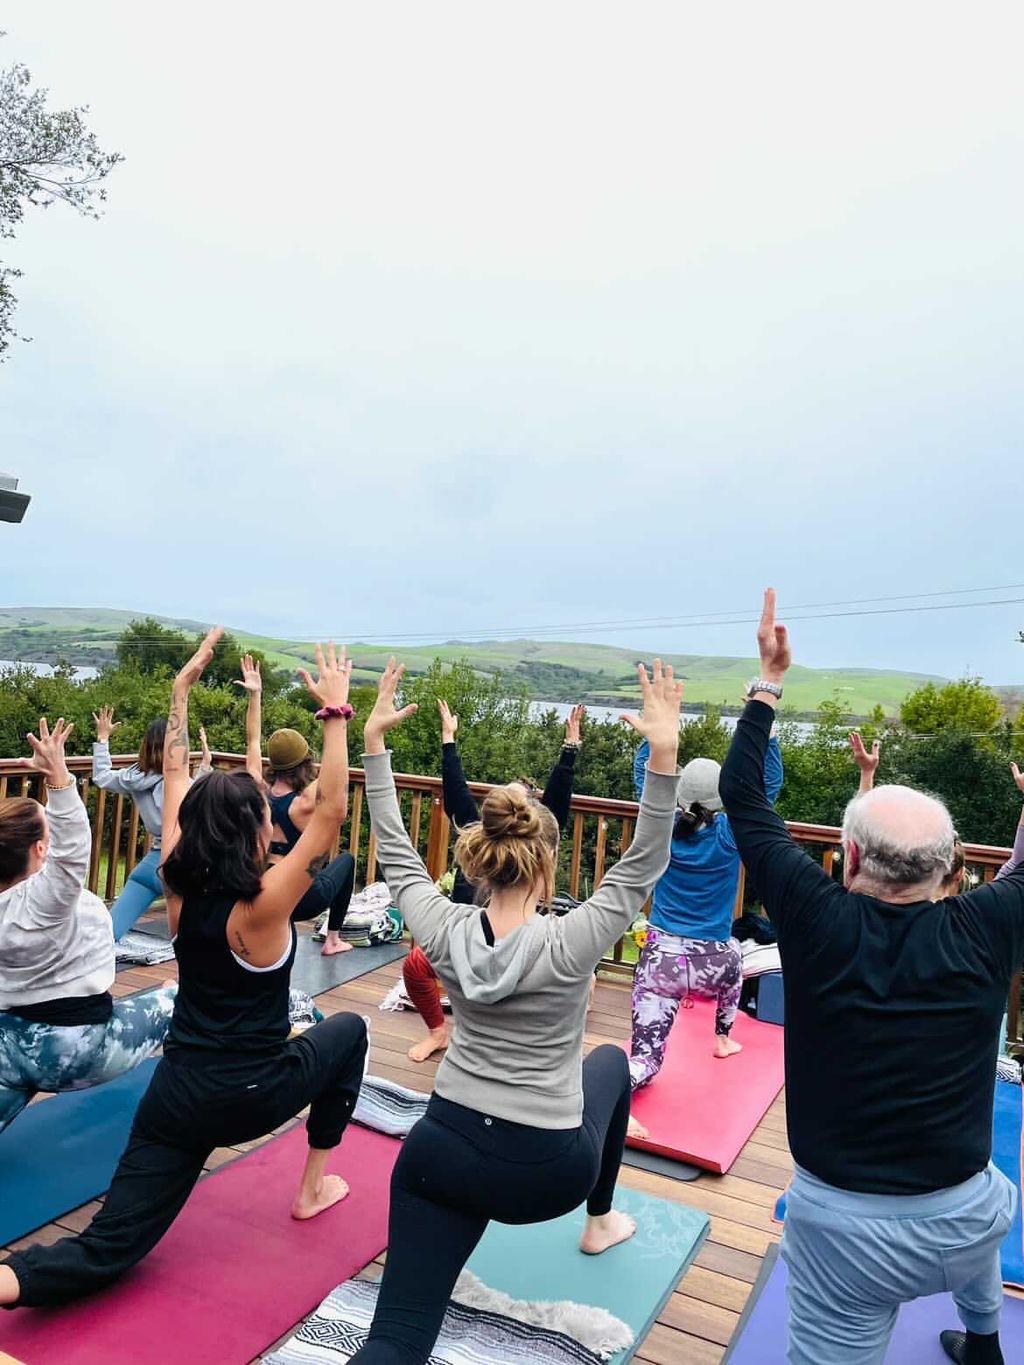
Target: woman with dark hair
{"type": "Point", "coordinates": [229, 1072]}
{"type": "Point", "coordinates": [144, 783]}
{"type": "Point", "coordinates": [689, 949]}
{"type": "Point", "coordinates": [520, 1128]}
{"type": "Point", "coordinates": [59, 1027]}
{"type": "Point", "coordinates": [290, 786]}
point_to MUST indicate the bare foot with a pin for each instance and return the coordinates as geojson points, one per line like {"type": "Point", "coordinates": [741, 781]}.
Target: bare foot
{"type": "Point", "coordinates": [687, 1003]}
{"type": "Point", "coordinates": [725, 1047]}
{"type": "Point", "coordinates": [635, 1129]}
{"type": "Point", "coordinates": [330, 1191]}
{"type": "Point", "coordinates": [334, 943]}
{"type": "Point", "coordinates": [435, 1041]}
{"type": "Point", "coordinates": [606, 1231]}
{"type": "Point", "coordinates": [10, 1289]}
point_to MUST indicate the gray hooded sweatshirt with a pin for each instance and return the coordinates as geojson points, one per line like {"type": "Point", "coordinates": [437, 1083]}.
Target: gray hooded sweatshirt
{"type": "Point", "coordinates": [145, 789]}
{"type": "Point", "coordinates": [520, 1006]}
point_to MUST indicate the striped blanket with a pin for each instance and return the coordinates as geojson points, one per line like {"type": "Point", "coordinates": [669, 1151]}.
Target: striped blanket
{"type": "Point", "coordinates": [388, 1107]}
{"type": "Point", "coordinates": [469, 1336]}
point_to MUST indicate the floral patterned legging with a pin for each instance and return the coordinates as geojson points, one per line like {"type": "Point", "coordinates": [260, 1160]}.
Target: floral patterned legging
{"type": "Point", "coordinates": [669, 971]}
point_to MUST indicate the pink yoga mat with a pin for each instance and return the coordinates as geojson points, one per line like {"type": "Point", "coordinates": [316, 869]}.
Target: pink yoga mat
{"type": "Point", "coordinates": [700, 1109]}
{"type": "Point", "coordinates": [234, 1273]}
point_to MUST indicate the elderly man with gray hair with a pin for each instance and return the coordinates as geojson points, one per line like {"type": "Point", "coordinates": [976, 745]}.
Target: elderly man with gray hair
{"type": "Point", "coordinates": [894, 1001]}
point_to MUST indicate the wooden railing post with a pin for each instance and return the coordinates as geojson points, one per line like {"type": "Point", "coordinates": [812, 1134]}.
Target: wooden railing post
{"type": "Point", "coordinates": [437, 840]}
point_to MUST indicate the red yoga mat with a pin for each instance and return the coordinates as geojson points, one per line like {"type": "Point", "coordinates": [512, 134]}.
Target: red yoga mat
{"type": "Point", "coordinates": [700, 1109]}
{"type": "Point", "coordinates": [234, 1273]}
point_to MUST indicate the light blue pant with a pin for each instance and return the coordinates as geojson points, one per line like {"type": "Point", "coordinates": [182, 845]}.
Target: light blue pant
{"type": "Point", "coordinates": [54, 1057]}
{"type": "Point", "coordinates": [854, 1258]}
{"type": "Point", "coordinates": [140, 891]}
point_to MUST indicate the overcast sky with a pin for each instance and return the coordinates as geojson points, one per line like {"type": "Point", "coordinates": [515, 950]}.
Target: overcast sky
{"type": "Point", "coordinates": [445, 318]}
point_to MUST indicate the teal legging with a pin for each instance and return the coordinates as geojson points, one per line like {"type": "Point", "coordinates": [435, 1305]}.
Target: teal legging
{"type": "Point", "coordinates": [140, 891]}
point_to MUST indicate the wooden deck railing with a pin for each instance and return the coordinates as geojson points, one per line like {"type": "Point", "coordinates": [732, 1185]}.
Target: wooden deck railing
{"type": "Point", "coordinates": [599, 834]}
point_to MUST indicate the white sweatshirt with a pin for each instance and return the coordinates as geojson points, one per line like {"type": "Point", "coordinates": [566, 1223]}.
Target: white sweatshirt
{"type": "Point", "coordinates": [56, 938]}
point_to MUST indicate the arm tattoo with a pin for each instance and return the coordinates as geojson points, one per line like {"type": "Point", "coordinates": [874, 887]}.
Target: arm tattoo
{"type": "Point", "coordinates": [319, 795]}
{"type": "Point", "coordinates": [241, 945]}
{"type": "Point", "coordinates": [317, 865]}
{"type": "Point", "coordinates": [177, 732]}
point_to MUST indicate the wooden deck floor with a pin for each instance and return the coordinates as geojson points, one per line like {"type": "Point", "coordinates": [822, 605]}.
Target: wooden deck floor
{"type": "Point", "coordinates": [699, 1318]}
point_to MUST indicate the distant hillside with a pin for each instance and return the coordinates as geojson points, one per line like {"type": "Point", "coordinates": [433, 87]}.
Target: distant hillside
{"type": "Point", "coordinates": [551, 670]}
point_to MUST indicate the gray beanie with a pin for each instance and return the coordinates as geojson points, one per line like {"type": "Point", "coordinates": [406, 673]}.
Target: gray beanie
{"type": "Point", "coordinates": [698, 785]}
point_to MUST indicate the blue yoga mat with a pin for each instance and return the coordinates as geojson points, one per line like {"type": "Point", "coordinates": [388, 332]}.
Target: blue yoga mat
{"type": "Point", "coordinates": [62, 1152]}
{"type": "Point", "coordinates": [1007, 1121]}
{"type": "Point", "coordinates": [634, 1281]}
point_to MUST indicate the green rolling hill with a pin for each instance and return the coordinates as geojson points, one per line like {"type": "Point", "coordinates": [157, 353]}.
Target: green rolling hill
{"type": "Point", "coordinates": [551, 670]}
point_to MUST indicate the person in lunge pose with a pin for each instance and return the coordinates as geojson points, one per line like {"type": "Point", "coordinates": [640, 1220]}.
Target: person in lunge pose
{"type": "Point", "coordinates": [229, 1071]}
{"type": "Point", "coordinates": [290, 785]}
{"type": "Point", "coordinates": [421, 983]}
{"type": "Point", "coordinates": [59, 1027]}
{"type": "Point", "coordinates": [520, 1128]}
{"type": "Point", "coordinates": [689, 949]}
{"type": "Point", "coordinates": [895, 1195]}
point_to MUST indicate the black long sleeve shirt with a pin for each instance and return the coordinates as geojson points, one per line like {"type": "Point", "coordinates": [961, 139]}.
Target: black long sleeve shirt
{"type": "Point", "coordinates": [893, 1012]}
{"type": "Point", "coordinates": [462, 810]}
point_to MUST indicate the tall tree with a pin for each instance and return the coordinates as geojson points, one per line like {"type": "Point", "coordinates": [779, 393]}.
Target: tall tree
{"type": "Point", "coordinates": [46, 157]}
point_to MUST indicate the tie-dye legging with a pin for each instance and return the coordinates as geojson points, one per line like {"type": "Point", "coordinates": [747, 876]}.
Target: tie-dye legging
{"type": "Point", "coordinates": [669, 971]}
{"type": "Point", "coordinates": [54, 1057]}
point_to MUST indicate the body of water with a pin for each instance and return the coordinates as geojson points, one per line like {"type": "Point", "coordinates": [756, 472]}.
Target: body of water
{"type": "Point", "coordinates": [603, 713]}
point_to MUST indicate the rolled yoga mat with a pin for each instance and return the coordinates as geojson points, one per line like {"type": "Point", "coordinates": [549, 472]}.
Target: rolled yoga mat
{"type": "Point", "coordinates": [234, 1273]}
{"type": "Point", "coordinates": [702, 1110]}
{"type": "Point", "coordinates": [61, 1152]}
{"type": "Point", "coordinates": [314, 973]}
{"type": "Point", "coordinates": [633, 1281]}
{"type": "Point", "coordinates": [760, 1337]}
{"type": "Point", "coordinates": [1007, 1125]}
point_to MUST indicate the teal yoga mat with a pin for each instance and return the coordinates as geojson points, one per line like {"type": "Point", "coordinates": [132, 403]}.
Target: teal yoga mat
{"type": "Point", "coordinates": [61, 1152]}
{"type": "Point", "coordinates": [542, 1261]}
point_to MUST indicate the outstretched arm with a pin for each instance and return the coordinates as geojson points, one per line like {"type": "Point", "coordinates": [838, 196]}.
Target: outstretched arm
{"type": "Point", "coordinates": [252, 682]}
{"type": "Point", "coordinates": [865, 761]}
{"type": "Point", "coordinates": [558, 792]}
{"type": "Point", "coordinates": [423, 907]}
{"type": "Point", "coordinates": [593, 927]}
{"type": "Point", "coordinates": [459, 805]}
{"type": "Point", "coordinates": [782, 872]}
{"type": "Point", "coordinates": [1017, 856]}
{"type": "Point", "coordinates": [55, 890]}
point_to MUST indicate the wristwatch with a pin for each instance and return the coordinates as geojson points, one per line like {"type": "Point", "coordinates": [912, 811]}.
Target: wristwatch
{"type": "Point", "coordinates": [763, 685]}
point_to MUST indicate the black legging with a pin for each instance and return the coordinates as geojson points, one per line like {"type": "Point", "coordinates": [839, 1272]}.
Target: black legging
{"type": "Point", "coordinates": [196, 1102]}
{"type": "Point", "coordinates": [332, 887]}
{"type": "Point", "coordinates": [458, 1169]}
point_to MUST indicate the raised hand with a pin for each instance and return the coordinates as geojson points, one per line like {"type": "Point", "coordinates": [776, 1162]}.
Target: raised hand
{"type": "Point", "coordinates": [190, 674]}
{"type": "Point", "coordinates": [385, 715]}
{"type": "Point", "coordinates": [1018, 776]}
{"type": "Point", "coordinates": [105, 723]}
{"type": "Point", "coordinates": [251, 679]}
{"type": "Point", "coordinates": [572, 726]}
{"type": "Point", "coordinates": [866, 762]}
{"type": "Point", "coordinates": [334, 674]}
{"type": "Point", "coordinates": [772, 642]}
{"type": "Point", "coordinates": [206, 759]}
{"type": "Point", "coordinates": [658, 721]}
{"type": "Point", "coordinates": [48, 752]}
{"type": "Point", "coordinates": [449, 722]}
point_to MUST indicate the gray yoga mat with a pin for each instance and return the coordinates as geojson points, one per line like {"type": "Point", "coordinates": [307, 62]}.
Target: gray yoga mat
{"type": "Point", "coordinates": [314, 973]}
{"type": "Point", "coordinates": [660, 1165]}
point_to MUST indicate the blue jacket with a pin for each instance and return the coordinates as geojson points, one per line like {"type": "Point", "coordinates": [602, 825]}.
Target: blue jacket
{"type": "Point", "coordinates": [696, 896]}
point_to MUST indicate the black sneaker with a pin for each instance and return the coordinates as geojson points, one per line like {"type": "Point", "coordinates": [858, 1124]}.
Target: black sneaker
{"type": "Point", "coordinates": [955, 1345]}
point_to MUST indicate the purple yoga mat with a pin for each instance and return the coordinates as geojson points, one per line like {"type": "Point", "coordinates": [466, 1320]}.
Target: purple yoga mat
{"type": "Point", "coordinates": [915, 1341]}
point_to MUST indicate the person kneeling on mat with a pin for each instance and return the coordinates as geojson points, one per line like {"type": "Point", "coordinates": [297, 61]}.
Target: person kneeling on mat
{"type": "Point", "coordinates": [290, 788]}
{"type": "Point", "coordinates": [894, 1001]}
{"type": "Point", "coordinates": [689, 949]}
{"type": "Point", "coordinates": [519, 1128]}
{"type": "Point", "coordinates": [229, 1073]}
{"type": "Point", "coordinates": [60, 1029]}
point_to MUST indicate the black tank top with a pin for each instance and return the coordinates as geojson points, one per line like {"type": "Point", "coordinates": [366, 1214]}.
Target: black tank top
{"type": "Point", "coordinates": [280, 806]}
{"type": "Point", "coordinates": [221, 1005]}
